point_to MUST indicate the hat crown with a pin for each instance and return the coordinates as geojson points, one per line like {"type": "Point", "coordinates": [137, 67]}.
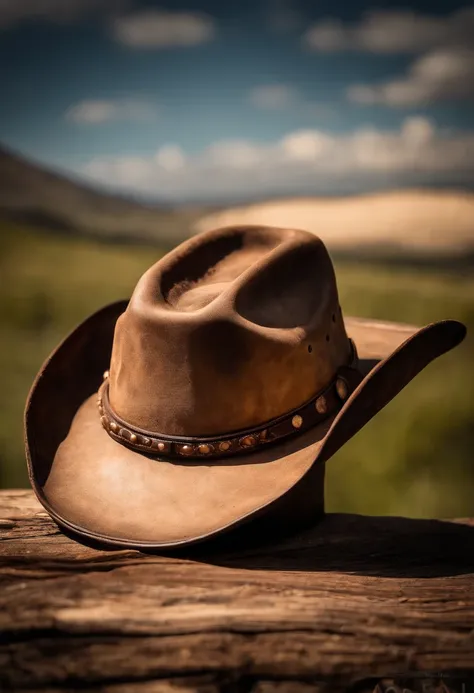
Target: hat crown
{"type": "Point", "coordinates": [231, 329]}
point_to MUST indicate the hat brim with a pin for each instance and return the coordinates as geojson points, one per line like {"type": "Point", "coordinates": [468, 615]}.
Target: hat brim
{"type": "Point", "coordinates": [105, 491]}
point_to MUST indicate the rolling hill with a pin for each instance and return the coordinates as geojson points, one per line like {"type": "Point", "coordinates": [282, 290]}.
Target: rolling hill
{"type": "Point", "coordinates": [406, 223]}
{"type": "Point", "coordinates": [31, 194]}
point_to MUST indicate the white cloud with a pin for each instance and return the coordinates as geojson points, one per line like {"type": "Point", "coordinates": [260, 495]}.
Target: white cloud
{"type": "Point", "coordinates": [14, 11]}
{"type": "Point", "coordinates": [437, 76]}
{"type": "Point", "coordinates": [162, 29]}
{"type": "Point", "coordinates": [98, 111]}
{"type": "Point", "coordinates": [392, 31]}
{"type": "Point", "coordinates": [416, 151]}
{"type": "Point", "coordinates": [444, 69]}
{"type": "Point", "coordinates": [170, 157]}
{"type": "Point", "coordinates": [417, 131]}
{"type": "Point", "coordinates": [274, 96]}
{"type": "Point", "coordinates": [305, 145]}
{"type": "Point", "coordinates": [233, 155]}
{"type": "Point", "coordinates": [141, 29]}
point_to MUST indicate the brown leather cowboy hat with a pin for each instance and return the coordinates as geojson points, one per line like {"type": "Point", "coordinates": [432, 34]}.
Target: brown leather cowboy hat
{"type": "Point", "coordinates": [230, 377]}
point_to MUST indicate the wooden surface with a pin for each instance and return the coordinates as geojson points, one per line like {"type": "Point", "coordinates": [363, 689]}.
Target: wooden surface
{"type": "Point", "coordinates": [350, 598]}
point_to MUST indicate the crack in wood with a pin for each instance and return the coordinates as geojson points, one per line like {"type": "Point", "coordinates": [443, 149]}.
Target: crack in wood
{"type": "Point", "coordinates": [351, 598]}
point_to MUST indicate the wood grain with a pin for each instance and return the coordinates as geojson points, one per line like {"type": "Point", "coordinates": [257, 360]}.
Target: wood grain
{"type": "Point", "coordinates": [350, 598]}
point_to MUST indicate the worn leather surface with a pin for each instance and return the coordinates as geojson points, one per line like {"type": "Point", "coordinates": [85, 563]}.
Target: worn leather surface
{"type": "Point", "coordinates": [231, 329]}
{"type": "Point", "coordinates": [103, 490]}
{"type": "Point", "coordinates": [235, 442]}
{"type": "Point", "coordinates": [130, 496]}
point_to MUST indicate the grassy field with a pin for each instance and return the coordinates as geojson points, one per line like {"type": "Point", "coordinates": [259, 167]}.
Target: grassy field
{"type": "Point", "coordinates": [415, 458]}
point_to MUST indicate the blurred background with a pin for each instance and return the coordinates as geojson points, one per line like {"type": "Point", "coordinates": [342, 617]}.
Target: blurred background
{"type": "Point", "coordinates": [128, 125]}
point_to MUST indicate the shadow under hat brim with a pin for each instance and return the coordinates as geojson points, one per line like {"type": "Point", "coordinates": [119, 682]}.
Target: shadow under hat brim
{"type": "Point", "coordinates": [104, 491]}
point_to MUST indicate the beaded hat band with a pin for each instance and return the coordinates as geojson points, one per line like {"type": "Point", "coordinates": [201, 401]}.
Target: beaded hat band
{"type": "Point", "coordinates": [320, 407]}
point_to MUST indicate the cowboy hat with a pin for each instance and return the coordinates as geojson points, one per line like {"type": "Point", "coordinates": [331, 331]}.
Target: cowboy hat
{"type": "Point", "coordinates": [230, 378]}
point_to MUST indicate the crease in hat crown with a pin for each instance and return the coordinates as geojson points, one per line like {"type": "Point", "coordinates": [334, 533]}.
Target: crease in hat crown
{"type": "Point", "coordinates": [201, 352]}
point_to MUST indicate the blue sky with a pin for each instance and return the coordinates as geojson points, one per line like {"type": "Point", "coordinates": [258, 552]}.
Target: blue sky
{"type": "Point", "coordinates": [185, 100]}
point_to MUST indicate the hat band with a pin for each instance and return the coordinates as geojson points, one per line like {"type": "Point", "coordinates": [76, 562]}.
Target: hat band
{"type": "Point", "coordinates": [320, 407]}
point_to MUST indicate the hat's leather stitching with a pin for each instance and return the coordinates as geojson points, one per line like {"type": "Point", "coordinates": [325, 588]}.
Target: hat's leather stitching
{"type": "Point", "coordinates": [320, 407]}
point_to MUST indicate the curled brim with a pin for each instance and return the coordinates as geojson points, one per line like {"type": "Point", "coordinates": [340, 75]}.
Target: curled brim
{"type": "Point", "coordinates": [104, 491]}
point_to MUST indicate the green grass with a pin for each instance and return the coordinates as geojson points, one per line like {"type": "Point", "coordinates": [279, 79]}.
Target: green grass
{"type": "Point", "coordinates": [49, 283]}
{"type": "Point", "coordinates": [414, 458]}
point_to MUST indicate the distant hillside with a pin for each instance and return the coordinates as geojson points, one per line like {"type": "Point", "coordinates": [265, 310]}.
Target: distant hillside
{"type": "Point", "coordinates": [32, 194]}
{"type": "Point", "coordinates": [405, 223]}
{"type": "Point", "coordinates": [398, 224]}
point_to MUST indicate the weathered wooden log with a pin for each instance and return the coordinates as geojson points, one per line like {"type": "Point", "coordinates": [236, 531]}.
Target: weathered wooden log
{"type": "Point", "coordinates": [348, 599]}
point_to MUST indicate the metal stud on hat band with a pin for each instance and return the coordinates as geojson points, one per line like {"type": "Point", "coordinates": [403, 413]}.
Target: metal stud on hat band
{"type": "Point", "coordinates": [324, 404]}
